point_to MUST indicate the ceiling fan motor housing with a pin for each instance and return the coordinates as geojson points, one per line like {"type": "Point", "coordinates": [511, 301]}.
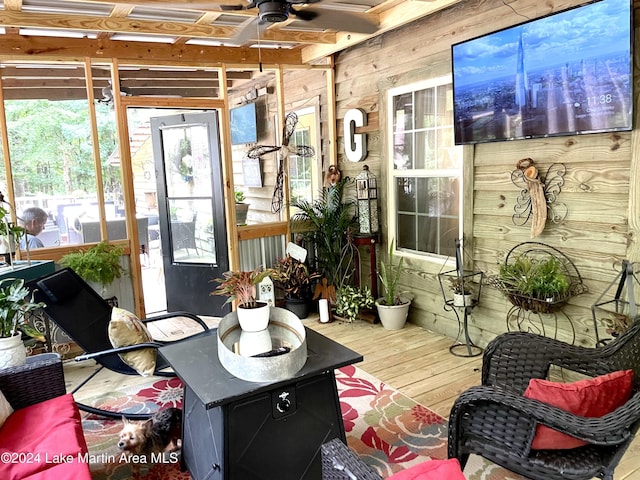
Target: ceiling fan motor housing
{"type": "Point", "coordinates": [273, 11]}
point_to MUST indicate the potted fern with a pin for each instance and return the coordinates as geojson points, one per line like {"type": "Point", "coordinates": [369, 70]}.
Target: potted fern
{"type": "Point", "coordinates": [253, 315]}
{"type": "Point", "coordinates": [393, 308]}
{"type": "Point", "coordinates": [99, 265]}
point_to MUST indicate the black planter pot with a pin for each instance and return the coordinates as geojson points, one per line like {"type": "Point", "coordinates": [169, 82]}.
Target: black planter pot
{"type": "Point", "coordinates": [300, 307]}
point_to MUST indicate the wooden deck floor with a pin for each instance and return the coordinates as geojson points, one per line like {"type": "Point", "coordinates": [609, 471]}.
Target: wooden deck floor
{"type": "Point", "coordinates": [413, 360]}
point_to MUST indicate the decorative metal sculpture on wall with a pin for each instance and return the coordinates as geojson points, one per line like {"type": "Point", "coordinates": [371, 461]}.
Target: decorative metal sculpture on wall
{"type": "Point", "coordinates": [538, 198]}
{"type": "Point", "coordinates": [284, 150]}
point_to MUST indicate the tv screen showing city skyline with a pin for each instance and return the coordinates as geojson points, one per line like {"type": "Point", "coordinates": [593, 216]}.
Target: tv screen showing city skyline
{"type": "Point", "coordinates": [568, 73]}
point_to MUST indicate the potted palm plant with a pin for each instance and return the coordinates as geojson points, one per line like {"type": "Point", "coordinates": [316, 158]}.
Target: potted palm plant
{"type": "Point", "coordinates": [15, 301]}
{"type": "Point", "coordinates": [393, 308]}
{"type": "Point", "coordinates": [253, 315]}
{"type": "Point", "coordinates": [294, 278]}
{"type": "Point", "coordinates": [324, 224]}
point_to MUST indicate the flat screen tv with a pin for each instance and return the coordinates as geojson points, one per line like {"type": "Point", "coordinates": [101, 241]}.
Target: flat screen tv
{"type": "Point", "coordinates": [565, 74]}
{"type": "Point", "coordinates": [243, 124]}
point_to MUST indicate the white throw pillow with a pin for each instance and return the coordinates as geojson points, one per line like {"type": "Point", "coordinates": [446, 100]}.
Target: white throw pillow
{"type": "Point", "coordinates": [5, 409]}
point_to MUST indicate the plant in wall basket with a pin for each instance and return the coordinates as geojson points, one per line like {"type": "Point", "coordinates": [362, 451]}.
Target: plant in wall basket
{"type": "Point", "coordinates": [537, 284]}
{"type": "Point", "coordinates": [99, 265]}
{"type": "Point", "coordinates": [393, 308]}
{"type": "Point", "coordinates": [253, 315]}
{"type": "Point", "coordinates": [15, 301]}
{"type": "Point", "coordinates": [350, 300]}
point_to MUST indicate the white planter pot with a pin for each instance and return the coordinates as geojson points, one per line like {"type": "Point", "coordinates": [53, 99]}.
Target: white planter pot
{"type": "Point", "coordinates": [253, 343]}
{"type": "Point", "coordinates": [12, 351]}
{"type": "Point", "coordinates": [393, 317]}
{"type": "Point", "coordinates": [460, 300]}
{"type": "Point", "coordinates": [254, 319]}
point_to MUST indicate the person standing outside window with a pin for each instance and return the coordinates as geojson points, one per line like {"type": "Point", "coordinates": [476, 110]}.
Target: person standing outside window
{"type": "Point", "coordinates": [32, 220]}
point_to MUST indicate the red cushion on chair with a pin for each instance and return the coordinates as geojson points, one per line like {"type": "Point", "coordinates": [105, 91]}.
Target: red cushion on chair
{"type": "Point", "coordinates": [593, 397]}
{"type": "Point", "coordinates": [431, 470]}
{"type": "Point", "coordinates": [40, 432]}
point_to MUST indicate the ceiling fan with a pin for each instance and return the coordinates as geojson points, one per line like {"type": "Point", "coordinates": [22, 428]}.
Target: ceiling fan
{"type": "Point", "coordinates": [275, 11]}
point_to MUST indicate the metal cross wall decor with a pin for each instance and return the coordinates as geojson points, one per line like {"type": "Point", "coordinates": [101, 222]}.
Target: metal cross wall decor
{"type": "Point", "coordinates": [284, 151]}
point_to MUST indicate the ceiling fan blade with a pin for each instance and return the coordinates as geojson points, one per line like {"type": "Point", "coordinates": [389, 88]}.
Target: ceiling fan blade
{"type": "Point", "coordinates": [342, 21]}
{"type": "Point", "coordinates": [248, 33]}
{"type": "Point", "coordinates": [305, 15]}
{"type": "Point", "coordinates": [251, 5]}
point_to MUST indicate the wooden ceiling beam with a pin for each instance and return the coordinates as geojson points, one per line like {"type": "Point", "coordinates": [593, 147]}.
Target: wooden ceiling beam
{"type": "Point", "coordinates": [112, 24]}
{"type": "Point", "coordinates": [194, 5]}
{"type": "Point", "coordinates": [90, 23]}
{"type": "Point", "coordinates": [56, 94]}
{"type": "Point", "coordinates": [140, 53]}
{"type": "Point", "coordinates": [393, 17]}
{"type": "Point", "coordinates": [166, 84]}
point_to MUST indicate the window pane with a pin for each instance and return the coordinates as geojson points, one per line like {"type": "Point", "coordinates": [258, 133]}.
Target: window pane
{"type": "Point", "coordinates": [403, 151]}
{"type": "Point", "coordinates": [405, 194]}
{"type": "Point", "coordinates": [403, 113]}
{"type": "Point", "coordinates": [425, 156]}
{"type": "Point", "coordinates": [300, 181]}
{"type": "Point", "coordinates": [425, 109]}
{"type": "Point", "coordinates": [406, 233]}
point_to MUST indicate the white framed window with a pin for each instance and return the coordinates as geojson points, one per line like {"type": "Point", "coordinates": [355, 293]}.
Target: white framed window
{"type": "Point", "coordinates": [425, 166]}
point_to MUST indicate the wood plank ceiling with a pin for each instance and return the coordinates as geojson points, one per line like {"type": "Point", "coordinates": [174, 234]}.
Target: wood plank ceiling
{"type": "Point", "coordinates": [159, 42]}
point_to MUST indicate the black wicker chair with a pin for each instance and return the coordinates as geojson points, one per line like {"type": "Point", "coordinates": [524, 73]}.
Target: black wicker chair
{"type": "Point", "coordinates": [495, 420]}
{"type": "Point", "coordinates": [84, 316]}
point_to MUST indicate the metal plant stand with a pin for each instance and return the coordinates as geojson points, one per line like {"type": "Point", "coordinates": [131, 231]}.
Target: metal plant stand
{"type": "Point", "coordinates": [464, 347]}
{"type": "Point", "coordinates": [465, 280]}
{"type": "Point", "coordinates": [620, 313]}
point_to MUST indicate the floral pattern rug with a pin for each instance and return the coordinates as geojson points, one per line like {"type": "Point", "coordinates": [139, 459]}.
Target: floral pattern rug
{"type": "Point", "coordinates": [387, 429]}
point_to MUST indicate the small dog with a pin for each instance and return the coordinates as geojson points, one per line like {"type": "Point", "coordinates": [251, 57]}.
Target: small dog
{"type": "Point", "coordinates": [161, 433]}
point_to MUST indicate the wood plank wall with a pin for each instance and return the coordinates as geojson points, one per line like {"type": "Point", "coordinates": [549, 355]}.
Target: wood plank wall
{"type": "Point", "coordinates": [602, 224]}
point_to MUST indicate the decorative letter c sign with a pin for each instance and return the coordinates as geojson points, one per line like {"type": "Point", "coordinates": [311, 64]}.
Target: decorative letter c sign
{"type": "Point", "coordinates": [355, 144]}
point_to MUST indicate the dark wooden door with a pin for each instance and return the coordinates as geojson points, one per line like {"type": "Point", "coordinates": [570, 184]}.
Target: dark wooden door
{"type": "Point", "coordinates": [191, 209]}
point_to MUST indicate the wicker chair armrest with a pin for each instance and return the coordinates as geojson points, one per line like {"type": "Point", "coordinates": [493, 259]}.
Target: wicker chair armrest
{"type": "Point", "coordinates": [513, 358]}
{"type": "Point", "coordinates": [611, 429]}
{"type": "Point", "coordinates": [40, 379]}
{"type": "Point", "coordinates": [111, 351]}
{"type": "Point", "coordinates": [188, 315]}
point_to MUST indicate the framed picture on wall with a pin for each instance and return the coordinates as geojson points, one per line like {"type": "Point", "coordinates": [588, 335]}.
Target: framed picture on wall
{"type": "Point", "coordinates": [251, 172]}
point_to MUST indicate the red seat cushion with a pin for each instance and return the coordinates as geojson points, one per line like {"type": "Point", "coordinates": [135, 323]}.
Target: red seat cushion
{"type": "Point", "coordinates": [431, 470]}
{"type": "Point", "coordinates": [593, 397]}
{"type": "Point", "coordinates": [42, 433]}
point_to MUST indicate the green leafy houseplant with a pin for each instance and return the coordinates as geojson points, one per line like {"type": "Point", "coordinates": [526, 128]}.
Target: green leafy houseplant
{"type": "Point", "coordinates": [293, 277]}
{"type": "Point", "coordinates": [241, 286]}
{"type": "Point", "coordinates": [239, 196]}
{"type": "Point", "coordinates": [535, 284]}
{"type": "Point", "coordinates": [389, 276]}
{"type": "Point", "coordinates": [459, 286]}
{"type": "Point", "coordinates": [323, 224]}
{"type": "Point", "coordinates": [350, 300]}
{"type": "Point", "coordinates": [15, 301]}
{"type": "Point", "coordinates": [99, 264]}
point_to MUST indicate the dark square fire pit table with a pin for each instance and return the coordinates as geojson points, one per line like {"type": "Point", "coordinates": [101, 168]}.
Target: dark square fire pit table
{"type": "Point", "coordinates": [239, 430]}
